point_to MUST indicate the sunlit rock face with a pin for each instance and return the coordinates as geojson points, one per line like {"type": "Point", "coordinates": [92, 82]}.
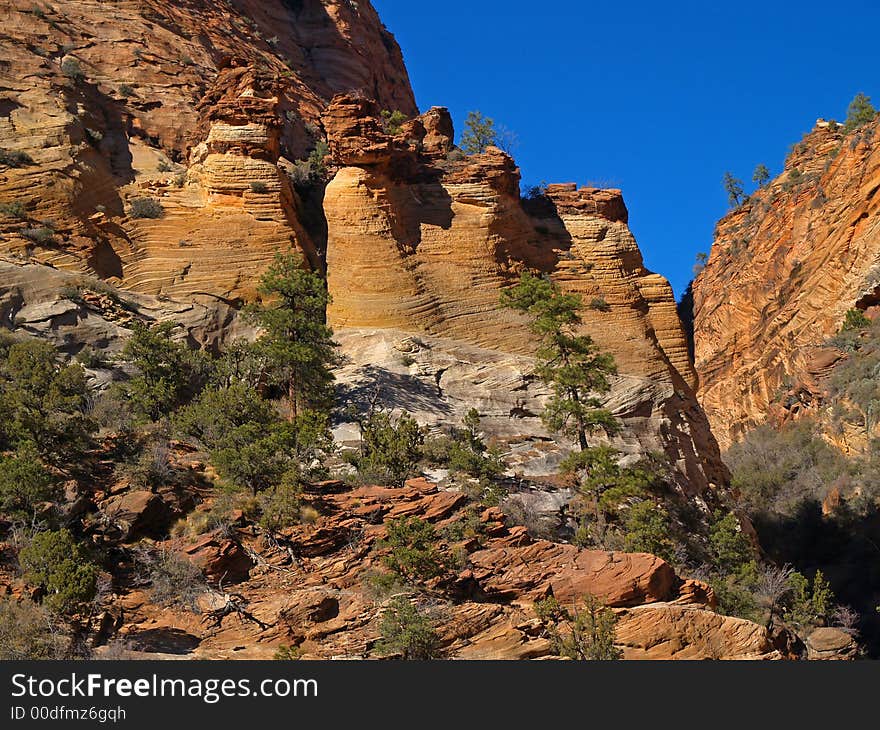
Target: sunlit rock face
{"type": "Point", "coordinates": [422, 242]}
{"type": "Point", "coordinates": [785, 268]}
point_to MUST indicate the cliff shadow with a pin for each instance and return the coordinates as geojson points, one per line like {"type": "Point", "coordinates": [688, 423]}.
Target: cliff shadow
{"type": "Point", "coordinates": [424, 202]}
{"type": "Point", "coordinates": [845, 547]}
{"type": "Point", "coordinates": [551, 241]}
{"type": "Point", "coordinates": [390, 390]}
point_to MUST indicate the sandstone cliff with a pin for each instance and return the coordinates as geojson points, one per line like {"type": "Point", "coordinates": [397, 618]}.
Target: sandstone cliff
{"type": "Point", "coordinates": [784, 269]}
{"type": "Point", "coordinates": [423, 242]}
{"type": "Point", "coordinates": [194, 104]}
{"type": "Point", "coordinates": [145, 159]}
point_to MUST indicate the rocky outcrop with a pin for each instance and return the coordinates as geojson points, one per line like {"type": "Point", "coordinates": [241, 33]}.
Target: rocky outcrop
{"type": "Point", "coordinates": [197, 105]}
{"type": "Point", "coordinates": [78, 313]}
{"type": "Point", "coordinates": [831, 644]}
{"type": "Point", "coordinates": [784, 269]}
{"type": "Point", "coordinates": [538, 569]}
{"type": "Point", "coordinates": [313, 586]}
{"type": "Point", "coordinates": [155, 148]}
{"type": "Point", "coordinates": [663, 631]}
{"type": "Point", "coordinates": [423, 244]}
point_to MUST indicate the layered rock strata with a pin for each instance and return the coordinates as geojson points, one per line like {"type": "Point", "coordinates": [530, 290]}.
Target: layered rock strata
{"type": "Point", "coordinates": [424, 242]}
{"type": "Point", "coordinates": [784, 269]}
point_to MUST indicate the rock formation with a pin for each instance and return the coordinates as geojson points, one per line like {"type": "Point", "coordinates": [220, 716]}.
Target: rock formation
{"type": "Point", "coordinates": [194, 104]}
{"type": "Point", "coordinates": [422, 243]}
{"type": "Point", "coordinates": [148, 163]}
{"type": "Point", "coordinates": [784, 269]}
{"type": "Point", "coordinates": [311, 587]}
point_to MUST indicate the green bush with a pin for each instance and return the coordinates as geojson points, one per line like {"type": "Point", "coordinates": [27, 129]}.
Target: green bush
{"type": "Point", "coordinates": [317, 157]}
{"type": "Point", "coordinates": [126, 90]}
{"type": "Point", "coordinates": [42, 402]}
{"type": "Point", "coordinates": [737, 593]}
{"type": "Point", "coordinates": [287, 653]}
{"type": "Point", "coordinates": [390, 450]}
{"type": "Point", "coordinates": [647, 529]}
{"type": "Point", "coordinates": [308, 173]}
{"type": "Point", "coordinates": [257, 457]}
{"type": "Point", "coordinates": [14, 158]}
{"type": "Point", "coordinates": [855, 319]}
{"type": "Point", "coordinates": [414, 549]}
{"type": "Point", "coordinates": [169, 372]}
{"type": "Point", "coordinates": [730, 547]}
{"type": "Point", "coordinates": [407, 632]}
{"type": "Point", "coordinates": [57, 564]}
{"type": "Point", "coordinates": [24, 483]}
{"type": "Point", "coordinates": [600, 305]}
{"type": "Point", "coordinates": [259, 187]}
{"type": "Point", "coordinates": [392, 121]}
{"type": "Point", "coordinates": [810, 605]}
{"type": "Point", "coordinates": [145, 208]}
{"type": "Point", "coordinates": [71, 68]}
{"type": "Point", "coordinates": [43, 235]}
{"type": "Point", "coordinates": [218, 412]}
{"type": "Point", "coordinates": [281, 506]}
{"type": "Point", "coordinates": [585, 633]}
{"type": "Point", "coordinates": [27, 632]}
{"type": "Point", "coordinates": [464, 451]}
{"type": "Point", "coordinates": [13, 210]}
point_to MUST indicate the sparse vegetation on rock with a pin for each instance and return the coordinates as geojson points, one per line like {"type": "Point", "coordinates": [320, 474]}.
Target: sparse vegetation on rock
{"type": "Point", "coordinates": [406, 632]}
{"type": "Point", "coordinates": [584, 632]}
{"type": "Point", "coordinates": [860, 112]}
{"type": "Point", "coordinates": [145, 208]}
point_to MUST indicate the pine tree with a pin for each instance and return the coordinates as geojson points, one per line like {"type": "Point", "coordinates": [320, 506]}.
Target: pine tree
{"type": "Point", "coordinates": [734, 189]}
{"type": "Point", "coordinates": [860, 112]}
{"type": "Point", "coordinates": [296, 344]}
{"type": "Point", "coordinates": [479, 134]}
{"type": "Point", "coordinates": [761, 176]}
{"type": "Point", "coordinates": [571, 364]}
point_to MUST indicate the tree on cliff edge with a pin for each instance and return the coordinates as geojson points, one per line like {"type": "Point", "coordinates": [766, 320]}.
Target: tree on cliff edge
{"type": "Point", "coordinates": [860, 112]}
{"type": "Point", "coordinates": [572, 365]}
{"type": "Point", "coordinates": [479, 133]}
{"type": "Point", "coordinates": [734, 189]}
{"type": "Point", "coordinates": [296, 345]}
{"type": "Point", "coordinates": [761, 175]}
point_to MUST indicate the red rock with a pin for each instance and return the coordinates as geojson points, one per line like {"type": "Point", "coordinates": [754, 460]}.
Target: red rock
{"type": "Point", "coordinates": [534, 571]}
{"type": "Point", "coordinates": [663, 631]}
{"type": "Point", "coordinates": [138, 514]}
{"type": "Point", "coordinates": [220, 559]}
{"type": "Point", "coordinates": [785, 268]}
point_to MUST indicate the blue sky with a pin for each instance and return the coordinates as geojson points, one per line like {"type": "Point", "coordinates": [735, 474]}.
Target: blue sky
{"type": "Point", "coordinates": [656, 98]}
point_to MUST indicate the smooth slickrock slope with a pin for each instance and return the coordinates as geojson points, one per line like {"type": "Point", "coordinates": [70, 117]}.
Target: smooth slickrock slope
{"type": "Point", "coordinates": [784, 269]}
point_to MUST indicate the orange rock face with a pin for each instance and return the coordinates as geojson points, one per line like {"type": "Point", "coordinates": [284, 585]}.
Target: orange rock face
{"type": "Point", "coordinates": [784, 269]}
{"type": "Point", "coordinates": [196, 105]}
{"type": "Point", "coordinates": [424, 243]}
